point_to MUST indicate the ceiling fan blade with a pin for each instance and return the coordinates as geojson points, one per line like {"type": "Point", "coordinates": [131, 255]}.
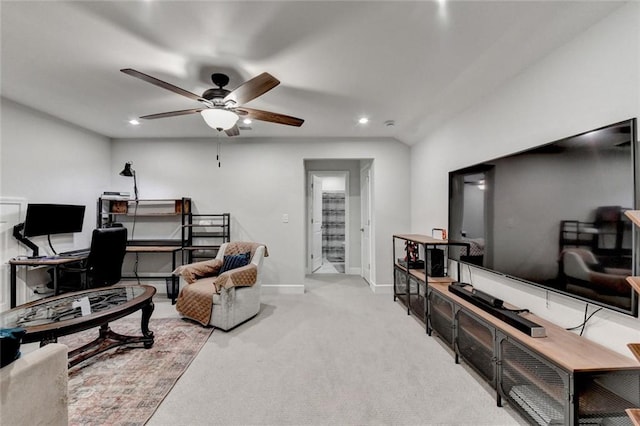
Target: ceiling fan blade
{"type": "Point", "coordinates": [163, 84]}
{"type": "Point", "coordinates": [234, 131]}
{"type": "Point", "coordinates": [172, 113]}
{"type": "Point", "coordinates": [272, 117]}
{"type": "Point", "coordinates": [253, 88]}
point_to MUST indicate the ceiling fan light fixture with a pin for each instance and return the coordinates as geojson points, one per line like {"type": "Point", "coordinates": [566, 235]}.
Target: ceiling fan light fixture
{"type": "Point", "coordinates": [219, 119]}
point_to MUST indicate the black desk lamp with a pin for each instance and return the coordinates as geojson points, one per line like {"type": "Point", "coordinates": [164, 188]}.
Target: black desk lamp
{"type": "Point", "coordinates": [128, 171]}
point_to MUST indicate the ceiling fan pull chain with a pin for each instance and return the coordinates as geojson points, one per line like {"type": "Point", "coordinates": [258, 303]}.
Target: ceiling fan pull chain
{"type": "Point", "coordinates": [218, 153]}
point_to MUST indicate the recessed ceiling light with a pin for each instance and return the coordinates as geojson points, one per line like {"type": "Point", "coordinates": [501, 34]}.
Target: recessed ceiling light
{"type": "Point", "coordinates": [247, 121]}
{"type": "Point", "coordinates": [363, 120]}
{"type": "Point", "coordinates": [134, 122]}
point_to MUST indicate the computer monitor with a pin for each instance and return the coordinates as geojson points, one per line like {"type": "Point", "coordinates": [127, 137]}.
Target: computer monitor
{"type": "Point", "coordinates": [49, 219]}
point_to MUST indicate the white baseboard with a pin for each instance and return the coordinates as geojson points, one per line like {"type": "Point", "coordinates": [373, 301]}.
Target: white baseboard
{"type": "Point", "coordinates": [283, 288]}
{"type": "Point", "coordinates": [381, 288]}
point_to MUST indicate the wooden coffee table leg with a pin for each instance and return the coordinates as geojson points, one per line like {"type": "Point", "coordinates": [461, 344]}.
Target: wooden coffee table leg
{"type": "Point", "coordinates": [108, 339]}
{"type": "Point", "coordinates": [147, 310]}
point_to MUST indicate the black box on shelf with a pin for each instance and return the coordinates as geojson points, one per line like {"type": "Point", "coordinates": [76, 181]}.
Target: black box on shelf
{"type": "Point", "coordinates": [435, 262]}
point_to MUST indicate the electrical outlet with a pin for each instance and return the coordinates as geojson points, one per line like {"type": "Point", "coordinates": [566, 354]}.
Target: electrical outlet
{"type": "Point", "coordinates": [285, 218]}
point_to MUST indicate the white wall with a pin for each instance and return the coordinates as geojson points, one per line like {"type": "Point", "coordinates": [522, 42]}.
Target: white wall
{"type": "Point", "coordinates": [47, 160]}
{"type": "Point", "coordinates": [259, 181]}
{"type": "Point", "coordinates": [590, 82]}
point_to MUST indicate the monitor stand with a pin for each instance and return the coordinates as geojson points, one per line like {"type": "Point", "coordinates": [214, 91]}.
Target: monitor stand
{"type": "Point", "coordinates": [18, 236]}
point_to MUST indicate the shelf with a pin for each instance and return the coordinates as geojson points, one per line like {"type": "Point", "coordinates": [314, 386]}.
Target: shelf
{"type": "Point", "coordinates": [417, 305]}
{"type": "Point", "coordinates": [635, 349]}
{"type": "Point", "coordinates": [420, 275]}
{"type": "Point", "coordinates": [542, 409]}
{"type": "Point", "coordinates": [635, 283]}
{"type": "Point", "coordinates": [598, 401]}
{"type": "Point", "coordinates": [634, 415]}
{"type": "Point", "coordinates": [208, 234]}
{"type": "Point", "coordinates": [554, 392]}
{"type": "Point", "coordinates": [174, 206]}
{"type": "Point", "coordinates": [421, 239]}
{"type": "Point", "coordinates": [214, 230]}
{"type": "Point", "coordinates": [146, 214]}
{"type": "Point", "coordinates": [209, 247]}
{"type": "Point", "coordinates": [634, 215]}
{"type": "Point", "coordinates": [438, 308]}
{"type": "Point", "coordinates": [475, 331]}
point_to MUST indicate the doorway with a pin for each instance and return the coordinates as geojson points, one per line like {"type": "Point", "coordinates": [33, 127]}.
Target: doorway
{"type": "Point", "coordinates": [365, 221]}
{"type": "Point", "coordinates": [329, 225]}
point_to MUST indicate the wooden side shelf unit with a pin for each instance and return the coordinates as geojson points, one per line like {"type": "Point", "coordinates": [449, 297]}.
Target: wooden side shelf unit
{"type": "Point", "coordinates": [412, 277]}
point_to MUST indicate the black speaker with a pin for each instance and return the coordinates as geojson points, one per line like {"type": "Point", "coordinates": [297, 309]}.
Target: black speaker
{"type": "Point", "coordinates": [435, 262]}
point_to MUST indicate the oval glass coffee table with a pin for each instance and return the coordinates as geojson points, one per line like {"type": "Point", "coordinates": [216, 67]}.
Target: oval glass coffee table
{"type": "Point", "coordinates": [47, 319]}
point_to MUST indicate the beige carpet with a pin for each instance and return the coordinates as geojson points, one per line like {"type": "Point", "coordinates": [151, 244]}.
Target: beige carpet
{"type": "Point", "coordinates": [124, 386]}
{"type": "Point", "coordinates": [336, 355]}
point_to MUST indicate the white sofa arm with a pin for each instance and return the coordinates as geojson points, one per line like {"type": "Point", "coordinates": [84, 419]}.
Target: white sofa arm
{"type": "Point", "coordinates": [33, 388]}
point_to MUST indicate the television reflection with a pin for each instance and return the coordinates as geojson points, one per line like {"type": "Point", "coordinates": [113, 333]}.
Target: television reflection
{"type": "Point", "coordinates": [554, 216]}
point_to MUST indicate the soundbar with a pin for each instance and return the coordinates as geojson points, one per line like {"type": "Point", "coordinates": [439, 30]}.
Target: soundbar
{"type": "Point", "coordinates": [486, 297]}
{"type": "Point", "coordinates": [493, 306]}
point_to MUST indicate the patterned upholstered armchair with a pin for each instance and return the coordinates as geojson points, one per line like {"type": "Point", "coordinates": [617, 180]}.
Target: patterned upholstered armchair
{"type": "Point", "coordinates": [212, 294]}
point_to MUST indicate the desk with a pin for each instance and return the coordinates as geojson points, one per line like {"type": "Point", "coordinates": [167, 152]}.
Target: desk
{"type": "Point", "coordinates": [160, 249]}
{"type": "Point", "coordinates": [53, 261]}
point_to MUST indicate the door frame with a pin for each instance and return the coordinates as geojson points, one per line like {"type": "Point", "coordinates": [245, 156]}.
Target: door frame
{"type": "Point", "coordinates": [11, 248]}
{"type": "Point", "coordinates": [366, 176]}
{"type": "Point", "coordinates": [347, 215]}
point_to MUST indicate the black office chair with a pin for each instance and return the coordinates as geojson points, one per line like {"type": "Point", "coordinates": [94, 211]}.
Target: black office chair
{"type": "Point", "coordinates": [103, 266]}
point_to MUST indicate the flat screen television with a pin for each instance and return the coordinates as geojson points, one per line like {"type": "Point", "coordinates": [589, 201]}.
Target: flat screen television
{"type": "Point", "coordinates": [50, 219]}
{"type": "Point", "coordinates": [553, 216]}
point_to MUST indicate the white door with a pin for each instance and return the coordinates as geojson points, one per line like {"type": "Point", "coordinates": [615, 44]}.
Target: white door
{"type": "Point", "coordinates": [316, 223]}
{"type": "Point", "coordinates": [12, 212]}
{"type": "Point", "coordinates": [365, 222]}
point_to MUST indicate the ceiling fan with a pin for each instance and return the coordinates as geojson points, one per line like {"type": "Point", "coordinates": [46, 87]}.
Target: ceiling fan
{"type": "Point", "coordinates": [222, 108]}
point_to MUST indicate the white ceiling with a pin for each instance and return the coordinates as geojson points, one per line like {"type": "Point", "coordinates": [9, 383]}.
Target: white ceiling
{"type": "Point", "coordinates": [417, 63]}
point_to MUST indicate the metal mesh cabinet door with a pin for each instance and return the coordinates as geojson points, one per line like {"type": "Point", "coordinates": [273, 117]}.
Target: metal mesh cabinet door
{"type": "Point", "coordinates": [475, 343]}
{"type": "Point", "coordinates": [400, 287]}
{"type": "Point", "coordinates": [441, 315]}
{"type": "Point", "coordinates": [603, 397]}
{"type": "Point", "coordinates": [537, 388]}
{"type": "Point", "coordinates": [417, 289]}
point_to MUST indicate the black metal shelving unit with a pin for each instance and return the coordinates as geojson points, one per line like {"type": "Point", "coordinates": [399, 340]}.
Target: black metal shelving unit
{"type": "Point", "coordinates": [203, 234]}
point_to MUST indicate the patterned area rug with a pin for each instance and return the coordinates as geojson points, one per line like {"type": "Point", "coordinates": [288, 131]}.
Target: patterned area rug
{"type": "Point", "coordinates": [125, 385]}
